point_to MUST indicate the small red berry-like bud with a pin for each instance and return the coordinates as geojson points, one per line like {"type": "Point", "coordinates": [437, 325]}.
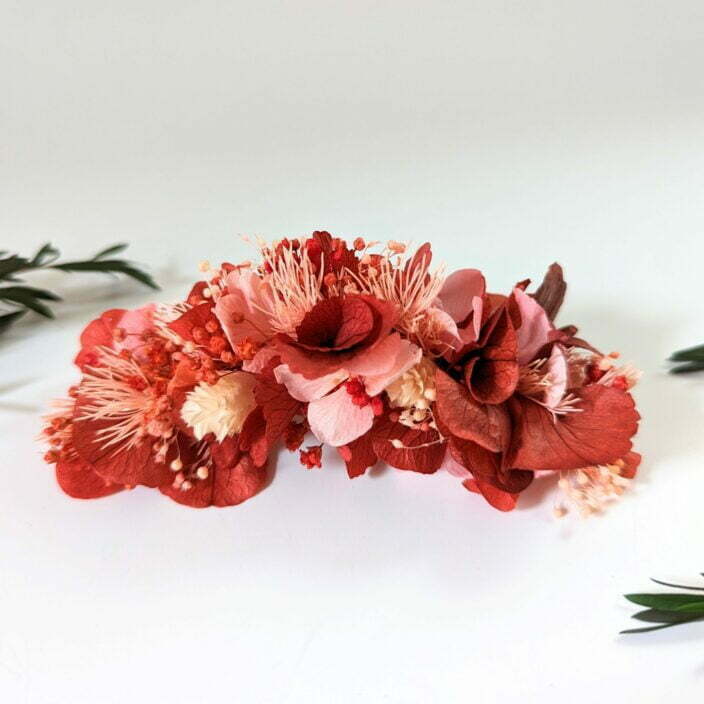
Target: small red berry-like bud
{"type": "Point", "coordinates": [218, 344]}
{"type": "Point", "coordinates": [360, 400]}
{"type": "Point", "coordinates": [377, 405]}
{"type": "Point", "coordinates": [246, 349]}
{"type": "Point", "coordinates": [199, 335]}
{"type": "Point", "coordinates": [330, 279]}
{"type": "Point", "coordinates": [51, 457]}
{"type": "Point", "coordinates": [359, 244]}
{"type": "Point", "coordinates": [212, 326]}
{"type": "Point", "coordinates": [354, 387]}
{"type": "Point", "coordinates": [620, 382]}
{"type": "Point", "coordinates": [311, 457]}
{"type": "Point", "coordinates": [227, 357]}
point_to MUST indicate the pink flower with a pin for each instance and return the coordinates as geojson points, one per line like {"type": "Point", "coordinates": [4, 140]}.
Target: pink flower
{"type": "Point", "coordinates": [340, 402]}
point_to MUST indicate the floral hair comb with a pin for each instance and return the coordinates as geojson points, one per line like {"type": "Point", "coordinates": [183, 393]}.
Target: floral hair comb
{"type": "Point", "coordinates": [368, 348]}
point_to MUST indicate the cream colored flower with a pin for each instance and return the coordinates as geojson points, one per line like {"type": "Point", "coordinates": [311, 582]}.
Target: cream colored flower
{"type": "Point", "coordinates": [220, 408]}
{"type": "Point", "coordinates": [414, 391]}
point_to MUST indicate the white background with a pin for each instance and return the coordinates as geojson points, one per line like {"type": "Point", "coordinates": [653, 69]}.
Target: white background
{"type": "Point", "coordinates": [510, 134]}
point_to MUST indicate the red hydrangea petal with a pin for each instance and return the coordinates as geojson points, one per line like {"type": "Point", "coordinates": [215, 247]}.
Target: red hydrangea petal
{"type": "Point", "coordinates": [357, 322]}
{"type": "Point", "coordinates": [98, 333]}
{"type": "Point", "coordinates": [320, 325]}
{"type": "Point", "coordinates": [501, 500]}
{"type": "Point", "coordinates": [197, 316]}
{"type": "Point", "coordinates": [116, 464]}
{"type": "Point", "coordinates": [489, 426]}
{"type": "Point", "coordinates": [277, 406]}
{"type": "Point", "coordinates": [79, 480]}
{"type": "Point", "coordinates": [600, 433]}
{"type": "Point", "coordinates": [488, 466]}
{"type": "Point", "coordinates": [422, 451]}
{"type": "Point", "coordinates": [253, 437]}
{"type": "Point", "coordinates": [359, 455]}
{"type": "Point", "coordinates": [225, 486]}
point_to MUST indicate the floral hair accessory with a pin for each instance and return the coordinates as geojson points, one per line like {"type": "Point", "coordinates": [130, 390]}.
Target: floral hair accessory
{"type": "Point", "coordinates": [367, 348]}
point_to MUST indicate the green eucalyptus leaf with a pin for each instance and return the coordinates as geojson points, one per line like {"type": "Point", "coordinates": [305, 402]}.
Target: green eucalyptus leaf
{"type": "Point", "coordinates": [647, 629]}
{"type": "Point", "coordinates": [7, 319]}
{"type": "Point", "coordinates": [109, 266]}
{"type": "Point", "coordinates": [692, 354]}
{"type": "Point", "coordinates": [666, 602]}
{"type": "Point", "coordinates": [687, 367]}
{"type": "Point", "coordinates": [46, 254]}
{"type": "Point", "coordinates": [657, 616]}
{"type": "Point", "coordinates": [113, 249]}
{"type": "Point", "coordinates": [29, 298]}
{"type": "Point", "coordinates": [12, 264]}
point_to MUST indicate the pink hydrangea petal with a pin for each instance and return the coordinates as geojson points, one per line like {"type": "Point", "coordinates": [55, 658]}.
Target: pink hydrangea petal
{"type": "Point", "coordinates": [459, 291]}
{"type": "Point", "coordinates": [247, 296]}
{"type": "Point", "coordinates": [478, 308]}
{"type": "Point", "coordinates": [335, 420]}
{"type": "Point", "coordinates": [406, 355]}
{"type": "Point", "coordinates": [303, 389]}
{"type": "Point", "coordinates": [535, 328]}
{"type": "Point", "coordinates": [379, 360]}
{"type": "Point", "coordinates": [558, 369]}
{"type": "Point", "coordinates": [445, 328]}
{"type": "Point", "coordinates": [260, 360]}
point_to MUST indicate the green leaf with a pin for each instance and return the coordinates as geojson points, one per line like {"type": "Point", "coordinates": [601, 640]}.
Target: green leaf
{"type": "Point", "coordinates": [114, 249]}
{"type": "Point", "coordinates": [8, 318]}
{"type": "Point", "coordinates": [29, 298]}
{"type": "Point", "coordinates": [677, 586]}
{"type": "Point", "coordinates": [110, 266]}
{"type": "Point", "coordinates": [687, 368]}
{"type": "Point", "coordinates": [666, 602]}
{"type": "Point", "coordinates": [692, 354]}
{"type": "Point", "coordinates": [647, 629]}
{"type": "Point", "coordinates": [12, 264]}
{"type": "Point", "coordinates": [46, 254]}
{"type": "Point", "coordinates": [657, 616]}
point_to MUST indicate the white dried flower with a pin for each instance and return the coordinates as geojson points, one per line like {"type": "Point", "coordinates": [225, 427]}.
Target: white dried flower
{"type": "Point", "coordinates": [414, 391]}
{"type": "Point", "coordinates": [220, 408]}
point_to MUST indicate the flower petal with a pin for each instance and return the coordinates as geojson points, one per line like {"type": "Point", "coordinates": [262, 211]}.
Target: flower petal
{"type": "Point", "coordinates": [335, 420]}
{"type": "Point", "coordinates": [558, 370]}
{"type": "Point", "coordinates": [535, 329]}
{"type": "Point", "coordinates": [303, 389]}
{"type": "Point", "coordinates": [402, 355]}
{"type": "Point", "coordinates": [489, 426]}
{"type": "Point", "coordinates": [460, 292]}
{"type": "Point", "coordinates": [599, 433]}
{"type": "Point", "coordinates": [79, 480]}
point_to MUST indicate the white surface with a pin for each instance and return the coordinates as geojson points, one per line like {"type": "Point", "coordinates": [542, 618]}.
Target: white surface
{"type": "Point", "coordinates": [510, 134]}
